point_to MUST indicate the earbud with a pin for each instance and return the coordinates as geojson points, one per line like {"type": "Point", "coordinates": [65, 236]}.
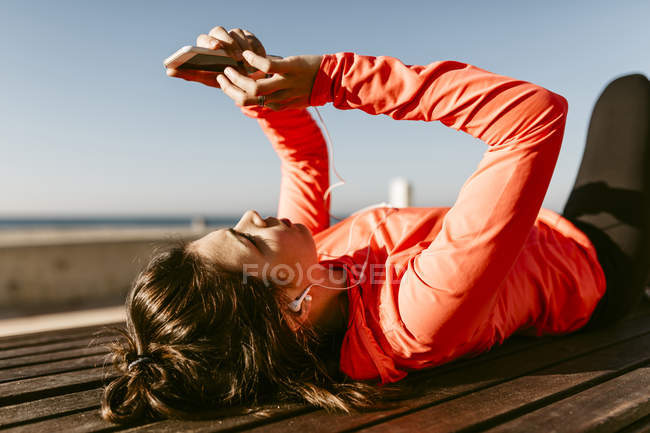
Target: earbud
{"type": "Point", "coordinates": [296, 304]}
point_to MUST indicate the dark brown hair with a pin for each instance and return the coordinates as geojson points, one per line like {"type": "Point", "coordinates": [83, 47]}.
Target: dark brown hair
{"type": "Point", "coordinates": [213, 341]}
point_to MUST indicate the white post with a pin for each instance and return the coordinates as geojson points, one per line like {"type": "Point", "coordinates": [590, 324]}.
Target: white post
{"type": "Point", "coordinates": [198, 223]}
{"type": "Point", "coordinates": [399, 192]}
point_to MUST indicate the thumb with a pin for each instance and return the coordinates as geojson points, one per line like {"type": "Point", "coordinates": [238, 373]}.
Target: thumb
{"type": "Point", "coordinates": [265, 64]}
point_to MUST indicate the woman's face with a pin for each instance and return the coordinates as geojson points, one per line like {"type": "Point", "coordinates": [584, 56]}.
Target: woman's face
{"type": "Point", "coordinates": [277, 251]}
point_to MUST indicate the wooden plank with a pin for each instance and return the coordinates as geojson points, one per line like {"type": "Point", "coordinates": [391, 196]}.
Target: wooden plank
{"type": "Point", "coordinates": [81, 422]}
{"type": "Point", "coordinates": [236, 423]}
{"type": "Point", "coordinates": [50, 356]}
{"type": "Point", "coordinates": [606, 407]}
{"type": "Point", "coordinates": [48, 368]}
{"type": "Point", "coordinates": [47, 386]}
{"type": "Point", "coordinates": [38, 410]}
{"type": "Point", "coordinates": [25, 340]}
{"type": "Point", "coordinates": [456, 383]}
{"type": "Point", "coordinates": [641, 426]}
{"type": "Point", "coordinates": [91, 421]}
{"type": "Point", "coordinates": [53, 347]}
{"type": "Point", "coordinates": [56, 332]}
{"type": "Point", "coordinates": [490, 405]}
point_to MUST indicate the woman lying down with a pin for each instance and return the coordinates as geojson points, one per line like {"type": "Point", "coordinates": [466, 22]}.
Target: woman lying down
{"type": "Point", "coordinates": [291, 308]}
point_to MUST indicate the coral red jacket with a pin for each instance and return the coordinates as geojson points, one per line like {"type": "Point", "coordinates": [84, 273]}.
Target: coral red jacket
{"type": "Point", "coordinates": [443, 283]}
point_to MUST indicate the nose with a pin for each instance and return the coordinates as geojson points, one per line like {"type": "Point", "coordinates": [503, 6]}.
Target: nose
{"type": "Point", "coordinates": [253, 217]}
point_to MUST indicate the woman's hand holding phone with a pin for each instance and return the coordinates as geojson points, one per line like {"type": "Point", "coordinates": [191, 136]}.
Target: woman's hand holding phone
{"type": "Point", "coordinates": [233, 42]}
{"type": "Point", "coordinates": [289, 86]}
{"type": "Point", "coordinates": [280, 83]}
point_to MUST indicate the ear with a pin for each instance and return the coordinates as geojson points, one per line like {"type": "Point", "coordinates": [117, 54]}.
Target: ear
{"type": "Point", "coordinates": [297, 320]}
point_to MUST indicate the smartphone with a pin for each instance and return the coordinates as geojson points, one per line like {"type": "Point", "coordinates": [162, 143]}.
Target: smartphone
{"type": "Point", "coordinates": [204, 59]}
{"type": "Point", "coordinates": [201, 59]}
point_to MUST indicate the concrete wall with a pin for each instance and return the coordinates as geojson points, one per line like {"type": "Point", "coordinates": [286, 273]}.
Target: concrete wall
{"type": "Point", "coordinates": [50, 271]}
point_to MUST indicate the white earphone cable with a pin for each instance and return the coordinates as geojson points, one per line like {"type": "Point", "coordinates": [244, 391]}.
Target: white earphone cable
{"type": "Point", "coordinates": [330, 153]}
{"type": "Point", "coordinates": [296, 304]}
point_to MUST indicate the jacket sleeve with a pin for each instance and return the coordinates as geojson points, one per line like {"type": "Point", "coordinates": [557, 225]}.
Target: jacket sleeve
{"type": "Point", "coordinates": [448, 291]}
{"type": "Point", "coordinates": [299, 143]}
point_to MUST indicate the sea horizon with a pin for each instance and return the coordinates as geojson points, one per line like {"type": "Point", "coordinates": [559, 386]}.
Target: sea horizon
{"type": "Point", "coordinates": [8, 223]}
{"type": "Point", "coordinates": [53, 222]}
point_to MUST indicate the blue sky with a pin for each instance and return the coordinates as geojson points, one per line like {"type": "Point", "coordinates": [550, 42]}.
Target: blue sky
{"type": "Point", "coordinates": [91, 125]}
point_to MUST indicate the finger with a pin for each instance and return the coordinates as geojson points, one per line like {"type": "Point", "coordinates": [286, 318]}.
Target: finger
{"type": "Point", "coordinates": [255, 43]}
{"type": "Point", "coordinates": [204, 77]}
{"type": "Point", "coordinates": [265, 64]}
{"type": "Point", "coordinates": [253, 87]}
{"type": "Point", "coordinates": [191, 74]}
{"type": "Point", "coordinates": [248, 85]}
{"type": "Point", "coordinates": [242, 43]}
{"type": "Point", "coordinates": [207, 41]}
{"type": "Point", "coordinates": [227, 42]}
{"type": "Point", "coordinates": [235, 93]}
{"type": "Point", "coordinates": [239, 37]}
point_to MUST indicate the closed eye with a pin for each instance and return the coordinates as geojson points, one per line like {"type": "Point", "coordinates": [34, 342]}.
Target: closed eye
{"type": "Point", "coordinates": [248, 236]}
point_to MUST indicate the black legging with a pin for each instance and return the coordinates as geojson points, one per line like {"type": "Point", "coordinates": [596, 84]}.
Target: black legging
{"type": "Point", "coordinates": [610, 200]}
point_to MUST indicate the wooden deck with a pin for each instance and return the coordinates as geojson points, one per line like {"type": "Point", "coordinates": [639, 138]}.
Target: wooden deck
{"type": "Point", "coordinates": [597, 381]}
